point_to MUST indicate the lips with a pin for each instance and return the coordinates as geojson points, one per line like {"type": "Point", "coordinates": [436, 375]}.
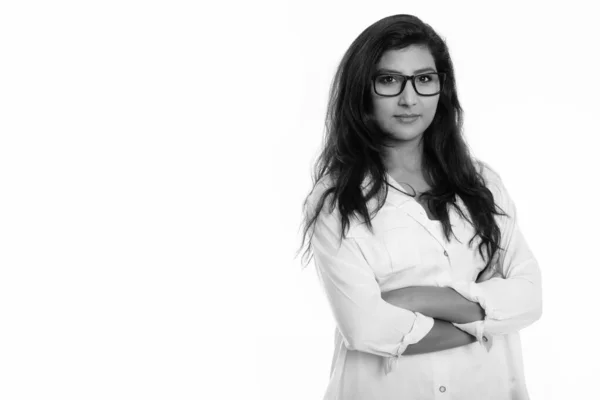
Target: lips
{"type": "Point", "coordinates": [407, 119]}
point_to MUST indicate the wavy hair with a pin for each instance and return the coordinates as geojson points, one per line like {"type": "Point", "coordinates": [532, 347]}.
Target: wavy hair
{"type": "Point", "coordinates": [354, 143]}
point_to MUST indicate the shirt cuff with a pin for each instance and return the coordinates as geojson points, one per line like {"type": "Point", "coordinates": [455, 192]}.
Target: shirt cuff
{"type": "Point", "coordinates": [473, 292]}
{"type": "Point", "coordinates": [477, 329]}
{"type": "Point", "coordinates": [421, 327]}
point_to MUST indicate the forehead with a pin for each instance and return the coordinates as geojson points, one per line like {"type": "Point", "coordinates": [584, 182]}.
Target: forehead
{"type": "Point", "coordinates": [407, 60]}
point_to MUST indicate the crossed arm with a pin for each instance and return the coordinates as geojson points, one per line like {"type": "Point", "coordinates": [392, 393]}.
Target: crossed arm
{"type": "Point", "coordinates": [382, 324]}
{"type": "Point", "coordinates": [443, 304]}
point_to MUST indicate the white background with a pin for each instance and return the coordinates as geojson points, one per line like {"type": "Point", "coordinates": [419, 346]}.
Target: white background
{"type": "Point", "coordinates": [154, 157]}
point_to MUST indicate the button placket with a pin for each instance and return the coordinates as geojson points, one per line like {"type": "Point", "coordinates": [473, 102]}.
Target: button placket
{"type": "Point", "coordinates": [412, 210]}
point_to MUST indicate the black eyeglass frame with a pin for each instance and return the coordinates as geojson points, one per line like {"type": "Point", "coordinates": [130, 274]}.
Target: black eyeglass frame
{"type": "Point", "coordinates": [411, 78]}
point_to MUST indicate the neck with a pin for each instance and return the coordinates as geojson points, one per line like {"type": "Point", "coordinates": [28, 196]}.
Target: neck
{"type": "Point", "coordinates": [406, 157]}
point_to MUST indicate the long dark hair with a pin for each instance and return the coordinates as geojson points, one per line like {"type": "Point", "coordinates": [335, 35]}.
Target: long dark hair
{"type": "Point", "coordinates": [354, 142]}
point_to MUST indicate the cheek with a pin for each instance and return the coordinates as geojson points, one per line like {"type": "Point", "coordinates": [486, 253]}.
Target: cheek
{"type": "Point", "coordinates": [431, 107]}
{"type": "Point", "coordinates": [381, 114]}
{"type": "Point", "coordinates": [382, 108]}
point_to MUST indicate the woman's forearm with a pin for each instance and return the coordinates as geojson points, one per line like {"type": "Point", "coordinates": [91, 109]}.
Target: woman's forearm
{"type": "Point", "coordinates": [442, 336]}
{"type": "Point", "coordinates": [437, 302]}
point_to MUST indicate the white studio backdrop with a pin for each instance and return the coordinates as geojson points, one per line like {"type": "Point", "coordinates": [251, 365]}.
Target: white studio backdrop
{"type": "Point", "coordinates": [154, 157]}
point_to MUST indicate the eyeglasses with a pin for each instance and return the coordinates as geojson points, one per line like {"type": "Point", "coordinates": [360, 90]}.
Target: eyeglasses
{"type": "Point", "coordinates": [390, 85]}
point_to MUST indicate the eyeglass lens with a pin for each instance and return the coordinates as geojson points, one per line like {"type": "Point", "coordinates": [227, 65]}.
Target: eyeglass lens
{"type": "Point", "coordinates": [390, 85]}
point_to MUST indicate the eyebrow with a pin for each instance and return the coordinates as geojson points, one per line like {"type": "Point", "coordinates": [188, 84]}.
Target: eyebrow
{"type": "Point", "coordinates": [392, 71]}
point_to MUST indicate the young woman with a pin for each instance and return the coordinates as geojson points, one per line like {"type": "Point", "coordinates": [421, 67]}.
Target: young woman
{"type": "Point", "coordinates": [415, 242]}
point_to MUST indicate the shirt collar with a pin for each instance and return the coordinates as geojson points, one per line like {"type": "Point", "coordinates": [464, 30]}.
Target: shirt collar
{"type": "Point", "coordinates": [394, 196]}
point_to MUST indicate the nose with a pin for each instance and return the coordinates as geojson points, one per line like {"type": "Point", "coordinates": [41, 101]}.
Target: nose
{"type": "Point", "coordinates": [408, 97]}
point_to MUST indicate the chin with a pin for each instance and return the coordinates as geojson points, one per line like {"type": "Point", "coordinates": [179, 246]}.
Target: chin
{"type": "Point", "coordinates": [407, 136]}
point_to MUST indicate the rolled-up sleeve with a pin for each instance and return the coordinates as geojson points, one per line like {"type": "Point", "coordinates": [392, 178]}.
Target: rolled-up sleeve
{"type": "Point", "coordinates": [512, 297]}
{"type": "Point", "coordinates": [366, 322]}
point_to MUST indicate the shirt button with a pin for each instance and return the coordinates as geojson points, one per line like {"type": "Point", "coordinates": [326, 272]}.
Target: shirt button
{"type": "Point", "coordinates": [445, 253]}
{"type": "Point", "coordinates": [442, 389]}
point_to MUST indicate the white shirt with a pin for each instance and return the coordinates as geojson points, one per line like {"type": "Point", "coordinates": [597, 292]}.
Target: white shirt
{"type": "Point", "coordinates": [408, 249]}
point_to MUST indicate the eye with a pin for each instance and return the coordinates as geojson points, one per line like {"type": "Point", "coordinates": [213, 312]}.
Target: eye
{"type": "Point", "coordinates": [427, 78]}
{"type": "Point", "coordinates": [386, 79]}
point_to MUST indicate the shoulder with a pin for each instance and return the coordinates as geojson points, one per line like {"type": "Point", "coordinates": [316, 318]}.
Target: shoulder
{"type": "Point", "coordinates": [490, 175]}
{"type": "Point", "coordinates": [495, 184]}
{"type": "Point", "coordinates": [318, 191]}
{"type": "Point", "coordinates": [322, 200]}
{"type": "Point", "coordinates": [493, 180]}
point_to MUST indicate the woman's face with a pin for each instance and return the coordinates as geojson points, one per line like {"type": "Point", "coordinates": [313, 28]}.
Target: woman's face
{"type": "Point", "coordinates": [387, 111]}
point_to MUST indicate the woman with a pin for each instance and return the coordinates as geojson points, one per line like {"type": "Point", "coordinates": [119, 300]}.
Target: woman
{"type": "Point", "coordinates": [415, 242]}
